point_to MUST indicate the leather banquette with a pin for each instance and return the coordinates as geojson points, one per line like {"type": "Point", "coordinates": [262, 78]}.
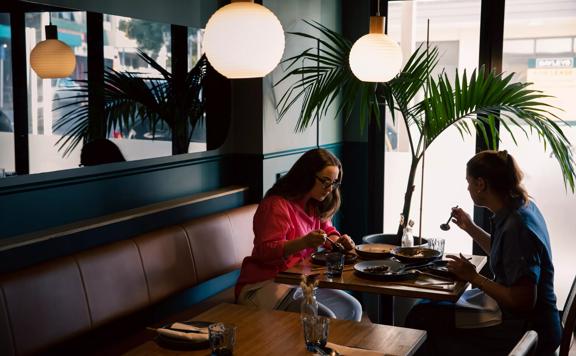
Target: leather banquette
{"type": "Point", "coordinates": [77, 298]}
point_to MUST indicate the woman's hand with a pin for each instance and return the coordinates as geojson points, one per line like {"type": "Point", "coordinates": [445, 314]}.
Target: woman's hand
{"type": "Point", "coordinates": [461, 267]}
{"type": "Point", "coordinates": [346, 241]}
{"type": "Point", "coordinates": [314, 238]}
{"type": "Point", "coordinates": [462, 219]}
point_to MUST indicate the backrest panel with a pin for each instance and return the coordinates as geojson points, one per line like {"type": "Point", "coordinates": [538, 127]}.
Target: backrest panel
{"type": "Point", "coordinates": [212, 246]}
{"type": "Point", "coordinates": [167, 261]}
{"type": "Point", "coordinates": [114, 280]}
{"type": "Point", "coordinates": [6, 342]}
{"type": "Point", "coordinates": [242, 229]}
{"type": "Point", "coordinates": [46, 304]}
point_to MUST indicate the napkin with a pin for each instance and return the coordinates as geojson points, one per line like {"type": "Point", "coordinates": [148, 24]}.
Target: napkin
{"type": "Point", "coordinates": [184, 332]}
{"type": "Point", "coordinates": [352, 351]}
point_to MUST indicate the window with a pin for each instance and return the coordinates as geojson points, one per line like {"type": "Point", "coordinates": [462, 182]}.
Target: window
{"type": "Point", "coordinates": [540, 48]}
{"type": "Point", "coordinates": [123, 38]}
{"type": "Point", "coordinates": [46, 97]}
{"type": "Point", "coordinates": [6, 108]}
{"type": "Point", "coordinates": [445, 160]}
{"type": "Point", "coordinates": [195, 51]}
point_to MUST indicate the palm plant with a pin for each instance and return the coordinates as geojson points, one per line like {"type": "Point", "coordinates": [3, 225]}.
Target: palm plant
{"type": "Point", "coordinates": [477, 101]}
{"type": "Point", "coordinates": [131, 98]}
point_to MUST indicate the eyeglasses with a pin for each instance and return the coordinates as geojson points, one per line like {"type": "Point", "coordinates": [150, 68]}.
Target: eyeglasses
{"type": "Point", "coordinates": [327, 182]}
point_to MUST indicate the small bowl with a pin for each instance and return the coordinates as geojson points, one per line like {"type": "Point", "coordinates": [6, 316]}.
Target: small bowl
{"type": "Point", "coordinates": [415, 254]}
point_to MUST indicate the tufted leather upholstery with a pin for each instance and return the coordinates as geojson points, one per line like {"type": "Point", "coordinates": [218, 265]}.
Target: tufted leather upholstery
{"type": "Point", "coordinates": [46, 304]}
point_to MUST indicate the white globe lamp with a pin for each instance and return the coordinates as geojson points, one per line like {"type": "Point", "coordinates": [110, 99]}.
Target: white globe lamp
{"type": "Point", "coordinates": [52, 58]}
{"type": "Point", "coordinates": [243, 40]}
{"type": "Point", "coordinates": [375, 57]}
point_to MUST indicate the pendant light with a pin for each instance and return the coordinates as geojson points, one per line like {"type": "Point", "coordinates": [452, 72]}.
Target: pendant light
{"type": "Point", "coordinates": [375, 57]}
{"type": "Point", "coordinates": [52, 58]}
{"type": "Point", "coordinates": [243, 40]}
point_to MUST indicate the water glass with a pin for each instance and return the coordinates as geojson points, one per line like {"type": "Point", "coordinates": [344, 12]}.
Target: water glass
{"type": "Point", "coordinates": [334, 264]}
{"type": "Point", "coordinates": [436, 244]}
{"type": "Point", "coordinates": [222, 339]}
{"type": "Point", "coordinates": [315, 331]}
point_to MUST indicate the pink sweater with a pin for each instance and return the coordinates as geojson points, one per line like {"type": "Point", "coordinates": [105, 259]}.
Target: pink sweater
{"type": "Point", "coordinates": [276, 221]}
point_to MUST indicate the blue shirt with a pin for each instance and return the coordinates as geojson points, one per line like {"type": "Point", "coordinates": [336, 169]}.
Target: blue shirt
{"type": "Point", "coordinates": [520, 247]}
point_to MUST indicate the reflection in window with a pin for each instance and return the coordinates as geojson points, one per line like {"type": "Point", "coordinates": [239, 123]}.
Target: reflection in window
{"type": "Point", "coordinates": [46, 97]}
{"type": "Point", "coordinates": [446, 158]}
{"type": "Point", "coordinates": [6, 106]}
{"type": "Point", "coordinates": [540, 48]}
{"type": "Point", "coordinates": [124, 38]}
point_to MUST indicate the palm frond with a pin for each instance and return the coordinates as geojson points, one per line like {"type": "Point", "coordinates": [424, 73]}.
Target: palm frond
{"type": "Point", "coordinates": [320, 83]}
{"type": "Point", "coordinates": [487, 97]}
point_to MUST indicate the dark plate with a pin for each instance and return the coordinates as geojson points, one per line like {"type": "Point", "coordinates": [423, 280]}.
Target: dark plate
{"type": "Point", "coordinates": [319, 258]}
{"type": "Point", "coordinates": [415, 254]}
{"type": "Point", "coordinates": [440, 270]}
{"type": "Point", "coordinates": [180, 344]}
{"type": "Point", "coordinates": [374, 251]}
{"type": "Point", "coordinates": [389, 270]}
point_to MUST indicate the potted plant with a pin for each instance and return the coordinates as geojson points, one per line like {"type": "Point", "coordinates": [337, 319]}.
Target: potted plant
{"type": "Point", "coordinates": [484, 97]}
{"type": "Point", "coordinates": [134, 99]}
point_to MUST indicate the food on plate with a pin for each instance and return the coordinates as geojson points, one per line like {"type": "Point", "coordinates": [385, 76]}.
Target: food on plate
{"type": "Point", "coordinates": [377, 269]}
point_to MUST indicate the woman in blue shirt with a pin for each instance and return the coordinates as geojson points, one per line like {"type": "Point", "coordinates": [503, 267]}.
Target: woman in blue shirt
{"type": "Point", "coordinates": [520, 260]}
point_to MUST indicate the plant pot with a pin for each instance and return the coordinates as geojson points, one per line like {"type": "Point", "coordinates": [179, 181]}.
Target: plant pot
{"type": "Point", "coordinates": [390, 239]}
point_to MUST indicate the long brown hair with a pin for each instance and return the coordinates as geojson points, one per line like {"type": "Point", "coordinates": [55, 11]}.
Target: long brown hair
{"type": "Point", "coordinates": [502, 174]}
{"type": "Point", "coordinates": [301, 178]}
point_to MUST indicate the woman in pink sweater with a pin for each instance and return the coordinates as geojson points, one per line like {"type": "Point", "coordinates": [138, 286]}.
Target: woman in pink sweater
{"type": "Point", "coordinates": [291, 222]}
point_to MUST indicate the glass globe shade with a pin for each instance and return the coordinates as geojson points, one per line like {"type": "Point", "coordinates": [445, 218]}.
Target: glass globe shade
{"type": "Point", "coordinates": [375, 57]}
{"type": "Point", "coordinates": [52, 59]}
{"type": "Point", "coordinates": [243, 40]}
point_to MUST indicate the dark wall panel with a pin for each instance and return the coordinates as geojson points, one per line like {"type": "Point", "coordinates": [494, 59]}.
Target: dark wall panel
{"type": "Point", "coordinates": [31, 207]}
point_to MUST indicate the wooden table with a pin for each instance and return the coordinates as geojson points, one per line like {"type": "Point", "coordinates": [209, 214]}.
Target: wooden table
{"type": "Point", "coordinates": [406, 288]}
{"type": "Point", "coordinates": [270, 332]}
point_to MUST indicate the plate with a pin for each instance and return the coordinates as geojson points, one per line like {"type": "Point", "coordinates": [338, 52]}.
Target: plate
{"type": "Point", "coordinates": [383, 269]}
{"type": "Point", "coordinates": [415, 254]}
{"type": "Point", "coordinates": [372, 251]}
{"type": "Point", "coordinates": [440, 269]}
{"type": "Point", "coordinates": [180, 344]}
{"type": "Point", "coordinates": [319, 258]}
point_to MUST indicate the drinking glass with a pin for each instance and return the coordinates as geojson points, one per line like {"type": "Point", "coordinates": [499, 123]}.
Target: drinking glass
{"type": "Point", "coordinates": [222, 339]}
{"type": "Point", "coordinates": [334, 264]}
{"type": "Point", "coordinates": [436, 244]}
{"type": "Point", "coordinates": [315, 331]}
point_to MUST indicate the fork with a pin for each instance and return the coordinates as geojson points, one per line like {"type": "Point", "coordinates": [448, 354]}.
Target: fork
{"type": "Point", "coordinates": [338, 246]}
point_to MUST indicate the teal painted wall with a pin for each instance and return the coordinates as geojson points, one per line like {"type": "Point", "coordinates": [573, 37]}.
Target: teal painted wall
{"type": "Point", "coordinates": [36, 202]}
